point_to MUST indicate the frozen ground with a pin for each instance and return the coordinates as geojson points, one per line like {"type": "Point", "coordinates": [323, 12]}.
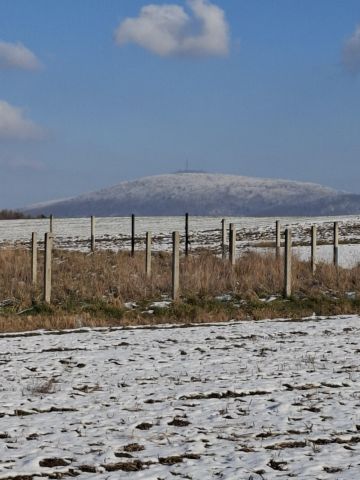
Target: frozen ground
{"type": "Point", "coordinates": [250, 400]}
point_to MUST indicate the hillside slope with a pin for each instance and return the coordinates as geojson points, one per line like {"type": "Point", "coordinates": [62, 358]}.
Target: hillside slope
{"type": "Point", "coordinates": [205, 194]}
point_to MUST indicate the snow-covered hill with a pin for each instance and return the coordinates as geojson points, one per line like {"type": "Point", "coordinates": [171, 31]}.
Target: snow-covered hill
{"type": "Point", "coordinates": [204, 194]}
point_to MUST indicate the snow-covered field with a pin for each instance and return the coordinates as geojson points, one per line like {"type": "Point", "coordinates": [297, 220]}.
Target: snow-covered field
{"type": "Point", "coordinates": [114, 233]}
{"type": "Point", "coordinates": [249, 400]}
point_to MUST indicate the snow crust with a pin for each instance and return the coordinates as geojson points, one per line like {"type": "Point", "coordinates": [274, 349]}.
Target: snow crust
{"type": "Point", "coordinates": [259, 400]}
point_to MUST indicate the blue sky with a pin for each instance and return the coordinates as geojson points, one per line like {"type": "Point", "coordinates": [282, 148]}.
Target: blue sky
{"type": "Point", "coordinates": [89, 98]}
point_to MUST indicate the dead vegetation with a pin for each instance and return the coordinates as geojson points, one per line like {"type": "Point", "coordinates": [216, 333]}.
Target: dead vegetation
{"type": "Point", "coordinates": [94, 289]}
{"type": "Point", "coordinates": [42, 387]}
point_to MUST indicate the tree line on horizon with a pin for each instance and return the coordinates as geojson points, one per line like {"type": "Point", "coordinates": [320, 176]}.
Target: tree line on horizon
{"type": "Point", "coordinates": [6, 214]}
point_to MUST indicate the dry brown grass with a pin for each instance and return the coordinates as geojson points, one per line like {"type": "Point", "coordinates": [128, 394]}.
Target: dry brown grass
{"type": "Point", "coordinates": [106, 278]}
{"type": "Point", "coordinates": [118, 278]}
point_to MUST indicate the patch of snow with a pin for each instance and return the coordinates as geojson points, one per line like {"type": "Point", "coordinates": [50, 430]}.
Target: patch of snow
{"type": "Point", "coordinates": [130, 305]}
{"type": "Point", "coordinates": [269, 299]}
{"type": "Point", "coordinates": [226, 297]}
{"type": "Point", "coordinates": [162, 304]}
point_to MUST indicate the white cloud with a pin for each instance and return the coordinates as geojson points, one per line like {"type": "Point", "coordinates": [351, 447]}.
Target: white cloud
{"type": "Point", "coordinates": [351, 52]}
{"type": "Point", "coordinates": [168, 30]}
{"type": "Point", "coordinates": [16, 55]}
{"type": "Point", "coordinates": [14, 126]}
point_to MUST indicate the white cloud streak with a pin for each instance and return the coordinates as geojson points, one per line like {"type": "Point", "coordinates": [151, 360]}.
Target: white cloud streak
{"type": "Point", "coordinates": [351, 52]}
{"type": "Point", "coordinates": [17, 56]}
{"type": "Point", "coordinates": [14, 126]}
{"type": "Point", "coordinates": [168, 30]}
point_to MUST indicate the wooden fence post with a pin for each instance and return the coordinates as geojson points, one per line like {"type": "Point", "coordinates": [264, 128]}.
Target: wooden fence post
{"type": "Point", "coordinates": [148, 255]}
{"type": "Point", "coordinates": [51, 222]}
{"type": "Point", "coordinates": [47, 267]}
{"type": "Point", "coordinates": [232, 244]}
{"type": "Point", "coordinates": [287, 264]}
{"type": "Point", "coordinates": [186, 234]}
{"type": "Point", "coordinates": [132, 235]}
{"type": "Point", "coordinates": [336, 244]}
{"type": "Point", "coordinates": [34, 259]}
{"type": "Point", "coordinates": [223, 238]}
{"type": "Point", "coordinates": [278, 239]}
{"type": "Point", "coordinates": [175, 265]}
{"type": "Point", "coordinates": [313, 248]}
{"type": "Point", "coordinates": [92, 237]}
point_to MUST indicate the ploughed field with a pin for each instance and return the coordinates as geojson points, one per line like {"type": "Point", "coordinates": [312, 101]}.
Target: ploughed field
{"type": "Point", "coordinates": [248, 400]}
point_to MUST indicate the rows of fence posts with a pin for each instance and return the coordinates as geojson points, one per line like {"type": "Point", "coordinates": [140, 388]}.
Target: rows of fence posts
{"type": "Point", "coordinates": [227, 250]}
